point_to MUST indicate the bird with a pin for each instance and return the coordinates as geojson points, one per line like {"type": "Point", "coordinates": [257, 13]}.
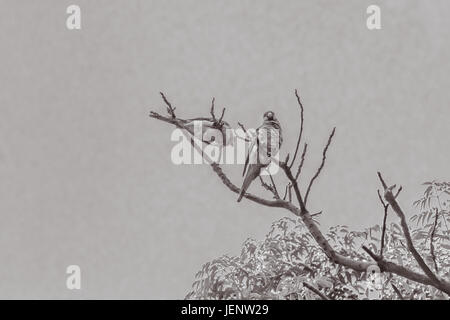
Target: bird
{"type": "Point", "coordinates": [266, 144]}
{"type": "Point", "coordinates": [210, 131]}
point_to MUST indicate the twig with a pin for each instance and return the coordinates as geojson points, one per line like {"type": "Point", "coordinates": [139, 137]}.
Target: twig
{"type": "Point", "coordinates": [316, 214]}
{"type": "Point", "coordinates": [301, 128]}
{"type": "Point", "coordinates": [170, 109]}
{"type": "Point", "coordinates": [389, 196]}
{"type": "Point", "coordinates": [212, 109]}
{"type": "Point", "coordinates": [385, 207]}
{"type": "Point", "coordinates": [324, 156]}
{"type": "Point", "coordinates": [270, 188]}
{"type": "Point", "coordinates": [221, 116]}
{"type": "Point", "coordinates": [300, 166]}
{"type": "Point", "coordinates": [247, 135]}
{"type": "Point", "coordinates": [382, 181]}
{"type": "Point", "coordinates": [274, 186]}
{"type": "Point", "coordinates": [397, 291]}
{"type": "Point", "coordinates": [320, 294]}
{"type": "Point", "coordinates": [433, 256]}
{"type": "Point", "coordinates": [216, 122]}
{"type": "Point", "coordinates": [294, 184]}
{"type": "Point", "coordinates": [371, 254]}
{"type": "Point", "coordinates": [285, 192]}
{"type": "Point", "coordinates": [383, 233]}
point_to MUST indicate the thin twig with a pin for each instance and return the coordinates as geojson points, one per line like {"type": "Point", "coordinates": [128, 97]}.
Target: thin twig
{"type": "Point", "coordinates": [371, 254]}
{"type": "Point", "coordinates": [389, 196]}
{"type": "Point", "coordinates": [301, 128]}
{"type": "Point", "coordinates": [397, 292]}
{"type": "Point", "coordinates": [294, 183]}
{"type": "Point", "coordinates": [247, 135]}
{"type": "Point", "coordinates": [269, 188]}
{"type": "Point", "coordinates": [274, 186]}
{"type": "Point", "coordinates": [433, 256]}
{"type": "Point", "coordinates": [221, 116]}
{"type": "Point", "coordinates": [382, 181]}
{"type": "Point", "coordinates": [212, 109]}
{"type": "Point", "coordinates": [302, 161]}
{"type": "Point", "coordinates": [170, 109]}
{"type": "Point", "coordinates": [383, 233]}
{"type": "Point", "coordinates": [320, 294]}
{"type": "Point", "coordinates": [216, 122]}
{"type": "Point", "coordinates": [285, 192]}
{"type": "Point", "coordinates": [316, 214]}
{"type": "Point", "coordinates": [324, 157]}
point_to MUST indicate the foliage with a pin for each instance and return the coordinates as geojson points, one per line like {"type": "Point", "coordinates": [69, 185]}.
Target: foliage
{"type": "Point", "coordinates": [287, 263]}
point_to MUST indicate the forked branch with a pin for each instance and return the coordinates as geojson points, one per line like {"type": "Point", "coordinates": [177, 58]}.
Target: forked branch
{"type": "Point", "coordinates": [391, 199]}
{"type": "Point", "coordinates": [386, 266]}
{"type": "Point", "coordinates": [322, 164]}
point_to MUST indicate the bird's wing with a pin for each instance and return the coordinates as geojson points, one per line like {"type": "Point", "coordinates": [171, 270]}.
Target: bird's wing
{"type": "Point", "coordinates": [269, 143]}
{"type": "Point", "coordinates": [252, 153]}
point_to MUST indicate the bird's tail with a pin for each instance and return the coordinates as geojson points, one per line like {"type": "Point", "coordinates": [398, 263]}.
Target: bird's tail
{"type": "Point", "coordinates": [252, 173]}
{"type": "Point", "coordinates": [241, 194]}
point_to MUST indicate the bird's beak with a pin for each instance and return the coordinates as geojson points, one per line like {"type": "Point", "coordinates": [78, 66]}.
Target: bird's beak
{"type": "Point", "coordinates": [269, 116]}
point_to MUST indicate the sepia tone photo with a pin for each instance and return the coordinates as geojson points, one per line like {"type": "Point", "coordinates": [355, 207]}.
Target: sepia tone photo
{"type": "Point", "coordinates": [225, 150]}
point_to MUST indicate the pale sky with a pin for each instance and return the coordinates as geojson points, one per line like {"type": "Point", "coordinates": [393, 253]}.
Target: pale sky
{"type": "Point", "coordinates": [86, 176]}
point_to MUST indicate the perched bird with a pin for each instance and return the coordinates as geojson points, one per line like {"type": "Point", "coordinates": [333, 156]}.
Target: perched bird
{"type": "Point", "coordinates": [266, 144]}
{"type": "Point", "coordinates": [209, 131]}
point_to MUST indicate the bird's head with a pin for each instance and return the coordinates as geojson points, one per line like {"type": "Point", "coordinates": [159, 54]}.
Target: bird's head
{"type": "Point", "coordinates": [269, 116]}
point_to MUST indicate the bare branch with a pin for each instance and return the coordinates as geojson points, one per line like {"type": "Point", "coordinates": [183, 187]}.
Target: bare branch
{"type": "Point", "coordinates": [385, 207]}
{"type": "Point", "coordinates": [274, 186]}
{"type": "Point", "coordinates": [213, 115]}
{"type": "Point", "coordinates": [316, 214]}
{"type": "Point", "coordinates": [324, 157]}
{"type": "Point", "coordinates": [433, 232]}
{"type": "Point", "coordinates": [221, 116]}
{"type": "Point", "coordinates": [390, 198]}
{"type": "Point", "coordinates": [382, 181]}
{"type": "Point", "coordinates": [270, 188]}
{"type": "Point", "coordinates": [294, 184]}
{"type": "Point", "coordinates": [170, 109]}
{"type": "Point", "coordinates": [371, 254]}
{"type": "Point", "coordinates": [243, 129]}
{"type": "Point", "coordinates": [383, 233]}
{"type": "Point", "coordinates": [397, 292]}
{"type": "Point", "coordinates": [212, 109]}
{"type": "Point", "coordinates": [398, 192]}
{"type": "Point", "coordinates": [300, 166]}
{"type": "Point", "coordinates": [247, 135]}
{"type": "Point", "coordinates": [286, 191]}
{"type": "Point", "coordinates": [381, 198]}
{"type": "Point", "coordinates": [320, 294]}
{"type": "Point", "coordinates": [301, 128]}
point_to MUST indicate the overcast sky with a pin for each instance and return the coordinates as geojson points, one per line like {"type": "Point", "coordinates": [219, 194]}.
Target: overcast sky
{"type": "Point", "coordinates": [86, 176]}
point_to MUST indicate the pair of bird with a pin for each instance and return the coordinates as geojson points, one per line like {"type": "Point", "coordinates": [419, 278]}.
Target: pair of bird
{"type": "Point", "coordinates": [266, 144]}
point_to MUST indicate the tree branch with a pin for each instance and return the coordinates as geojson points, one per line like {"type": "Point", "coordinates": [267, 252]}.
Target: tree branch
{"type": "Point", "coordinates": [300, 166]}
{"type": "Point", "coordinates": [303, 213]}
{"type": "Point", "coordinates": [324, 156]}
{"type": "Point", "coordinates": [433, 232]}
{"type": "Point", "coordinates": [272, 188]}
{"type": "Point", "coordinates": [301, 128]}
{"type": "Point", "coordinates": [170, 109]}
{"type": "Point", "coordinates": [383, 233]}
{"type": "Point", "coordinates": [397, 292]}
{"type": "Point", "coordinates": [320, 294]}
{"type": "Point", "coordinates": [390, 198]}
